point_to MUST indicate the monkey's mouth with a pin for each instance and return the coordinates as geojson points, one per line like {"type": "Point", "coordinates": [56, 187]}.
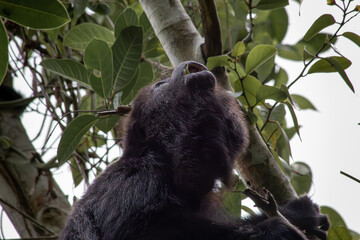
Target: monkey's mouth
{"type": "Point", "coordinates": [195, 76]}
{"type": "Point", "coordinates": [194, 67]}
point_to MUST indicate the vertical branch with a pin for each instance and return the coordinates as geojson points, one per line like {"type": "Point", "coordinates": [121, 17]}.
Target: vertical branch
{"type": "Point", "coordinates": [213, 42]}
{"type": "Point", "coordinates": [175, 30]}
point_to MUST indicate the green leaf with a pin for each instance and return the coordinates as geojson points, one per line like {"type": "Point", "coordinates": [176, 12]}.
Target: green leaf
{"type": "Point", "coordinates": [152, 48]}
{"type": "Point", "coordinates": [75, 172]}
{"type": "Point", "coordinates": [335, 63]}
{"type": "Point", "coordinates": [281, 144]}
{"type": "Point", "coordinates": [79, 7]}
{"type": "Point", "coordinates": [127, 51]}
{"type": "Point", "coordinates": [251, 85]}
{"type": "Point", "coordinates": [145, 23]}
{"type": "Point", "coordinates": [296, 52]}
{"type": "Point", "coordinates": [146, 76]}
{"type": "Point", "coordinates": [279, 23]}
{"type": "Point", "coordinates": [354, 235]}
{"type": "Point", "coordinates": [323, 65]}
{"type": "Point", "coordinates": [108, 123]}
{"type": "Point", "coordinates": [100, 8]}
{"type": "Point", "coordinates": [238, 49]}
{"type": "Point", "coordinates": [285, 137]}
{"type": "Point", "coordinates": [270, 92]}
{"type": "Point", "coordinates": [52, 34]}
{"type": "Point", "coordinates": [278, 114]}
{"type": "Point", "coordinates": [303, 102]}
{"type": "Point", "coordinates": [264, 70]}
{"type": "Point", "coordinates": [73, 134]}
{"type": "Point", "coordinates": [281, 78]}
{"type": "Point", "coordinates": [334, 217]}
{"type": "Point", "coordinates": [252, 117]}
{"type": "Point", "coordinates": [258, 55]}
{"type": "Point", "coordinates": [301, 177]}
{"type": "Point", "coordinates": [217, 61]}
{"type": "Point", "coordinates": [294, 118]}
{"type": "Point", "coordinates": [127, 18]}
{"type": "Point", "coordinates": [339, 233]}
{"type": "Point", "coordinates": [4, 58]}
{"type": "Point", "coordinates": [98, 57]}
{"type": "Point", "coordinates": [319, 24]}
{"type": "Point", "coordinates": [272, 4]}
{"type": "Point", "coordinates": [125, 91]}
{"type": "Point", "coordinates": [68, 69]}
{"type": "Point", "coordinates": [81, 35]}
{"type": "Point", "coordinates": [353, 37]}
{"type": "Point", "coordinates": [36, 14]}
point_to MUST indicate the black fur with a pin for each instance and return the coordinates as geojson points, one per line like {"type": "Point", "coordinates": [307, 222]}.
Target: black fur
{"type": "Point", "coordinates": [182, 134]}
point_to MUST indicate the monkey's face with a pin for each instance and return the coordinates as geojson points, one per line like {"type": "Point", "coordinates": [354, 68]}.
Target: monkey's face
{"type": "Point", "coordinates": [190, 76]}
{"type": "Point", "coordinates": [171, 108]}
{"type": "Point", "coordinates": [189, 116]}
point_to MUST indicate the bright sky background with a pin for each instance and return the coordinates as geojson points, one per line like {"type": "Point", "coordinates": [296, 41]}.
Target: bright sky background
{"type": "Point", "coordinates": [330, 137]}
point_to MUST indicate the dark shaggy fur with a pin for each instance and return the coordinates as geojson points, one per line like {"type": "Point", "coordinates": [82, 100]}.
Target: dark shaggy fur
{"type": "Point", "coordinates": [182, 134]}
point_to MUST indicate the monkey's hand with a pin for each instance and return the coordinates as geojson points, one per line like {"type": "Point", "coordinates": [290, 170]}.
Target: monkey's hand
{"type": "Point", "coordinates": [305, 215]}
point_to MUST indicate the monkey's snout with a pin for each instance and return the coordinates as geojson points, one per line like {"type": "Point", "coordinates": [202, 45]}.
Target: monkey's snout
{"type": "Point", "coordinates": [194, 67]}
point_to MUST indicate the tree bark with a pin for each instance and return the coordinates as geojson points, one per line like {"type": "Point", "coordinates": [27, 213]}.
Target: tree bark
{"type": "Point", "coordinates": [174, 29]}
{"type": "Point", "coordinates": [33, 201]}
{"type": "Point", "coordinates": [177, 34]}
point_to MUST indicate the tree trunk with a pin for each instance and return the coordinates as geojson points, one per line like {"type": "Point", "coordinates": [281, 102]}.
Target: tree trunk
{"type": "Point", "coordinates": [33, 201]}
{"type": "Point", "coordinates": [174, 29]}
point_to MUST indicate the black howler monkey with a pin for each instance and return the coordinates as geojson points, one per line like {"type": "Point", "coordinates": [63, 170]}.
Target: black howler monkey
{"type": "Point", "coordinates": [183, 133]}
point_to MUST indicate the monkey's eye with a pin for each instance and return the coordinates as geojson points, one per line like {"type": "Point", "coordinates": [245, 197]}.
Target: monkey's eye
{"type": "Point", "coordinates": [158, 84]}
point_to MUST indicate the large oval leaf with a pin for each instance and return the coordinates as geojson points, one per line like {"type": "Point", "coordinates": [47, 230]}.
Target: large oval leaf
{"type": "Point", "coordinates": [107, 123]}
{"type": "Point", "coordinates": [98, 57]}
{"type": "Point", "coordinates": [251, 85]}
{"type": "Point", "coordinates": [217, 61]}
{"type": "Point", "coordinates": [37, 14]}
{"type": "Point", "coordinates": [4, 58]}
{"type": "Point", "coordinates": [127, 18]}
{"type": "Point", "coordinates": [79, 7]}
{"type": "Point", "coordinates": [270, 92]}
{"type": "Point", "coordinates": [258, 55]}
{"type": "Point", "coordinates": [303, 102]}
{"type": "Point", "coordinates": [68, 69]}
{"type": "Point", "coordinates": [319, 24]}
{"type": "Point", "coordinates": [301, 177]}
{"type": "Point", "coordinates": [353, 37]}
{"type": "Point", "coordinates": [339, 233]}
{"type": "Point", "coordinates": [126, 55]}
{"type": "Point", "coordinates": [238, 49]}
{"type": "Point", "coordinates": [81, 35]}
{"type": "Point", "coordinates": [146, 76]}
{"type": "Point", "coordinates": [325, 66]}
{"type": "Point", "coordinates": [73, 134]}
{"type": "Point", "coordinates": [333, 64]}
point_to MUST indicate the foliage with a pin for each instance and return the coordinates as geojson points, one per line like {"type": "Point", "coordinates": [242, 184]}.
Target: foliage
{"type": "Point", "coordinates": [103, 57]}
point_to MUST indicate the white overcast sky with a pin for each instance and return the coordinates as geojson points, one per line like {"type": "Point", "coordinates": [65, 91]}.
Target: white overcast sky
{"type": "Point", "coordinates": [330, 137]}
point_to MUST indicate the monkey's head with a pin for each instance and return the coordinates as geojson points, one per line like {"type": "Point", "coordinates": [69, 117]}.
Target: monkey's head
{"type": "Point", "coordinates": [191, 122]}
